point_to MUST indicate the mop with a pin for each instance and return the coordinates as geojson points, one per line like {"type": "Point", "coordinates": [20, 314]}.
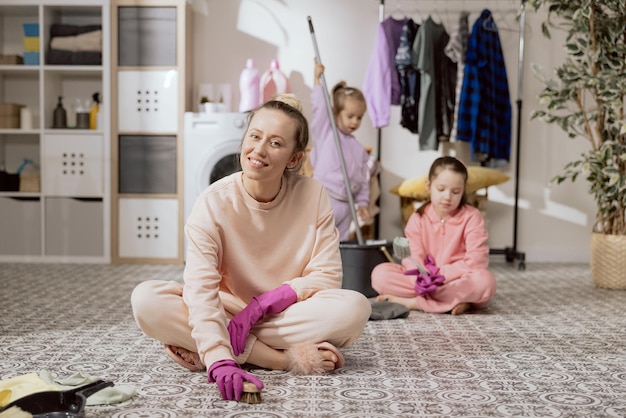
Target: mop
{"type": "Point", "coordinates": [361, 260]}
{"type": "Point", "coordinates": [342, 161]}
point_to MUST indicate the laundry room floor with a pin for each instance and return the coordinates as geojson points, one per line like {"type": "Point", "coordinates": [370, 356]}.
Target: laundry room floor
{"type": "Point", "coordinates": [549, 345]}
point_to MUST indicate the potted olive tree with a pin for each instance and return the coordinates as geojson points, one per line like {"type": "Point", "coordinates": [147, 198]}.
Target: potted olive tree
{"type": "Point", "coordinates": [586, 99]}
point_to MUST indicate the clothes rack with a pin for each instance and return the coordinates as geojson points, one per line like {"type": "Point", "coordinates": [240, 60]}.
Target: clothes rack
{"type": "Point", "coordinates": [511, 253]}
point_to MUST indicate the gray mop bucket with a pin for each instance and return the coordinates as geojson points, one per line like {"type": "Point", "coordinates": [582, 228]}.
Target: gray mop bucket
{"type": "Point", "coordinates": [358, 262]}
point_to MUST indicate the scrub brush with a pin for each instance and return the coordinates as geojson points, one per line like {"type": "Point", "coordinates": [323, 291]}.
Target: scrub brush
{"type": "Point", "coordinates": [401, 250]}
{"type": "Point", "coordinates": [251, 393]}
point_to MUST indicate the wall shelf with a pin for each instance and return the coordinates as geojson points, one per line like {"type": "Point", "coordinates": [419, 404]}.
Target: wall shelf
{"type": "Point", "coordinates": [68, 219]}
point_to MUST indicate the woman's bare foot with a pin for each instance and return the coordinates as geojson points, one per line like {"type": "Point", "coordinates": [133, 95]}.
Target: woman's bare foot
{"type": "Point", "coordinates": [185, 358]}
{"type": "Point", "coordinates": [461, 308]}
{"type": "Point", "coordinates": [312, 359]}
{"type": "Point", "coordinates": [410, 303]}
{"type": "Point", "coordinates": [304, 358]}
{"type": "Point", "coordinates": [332, 357]}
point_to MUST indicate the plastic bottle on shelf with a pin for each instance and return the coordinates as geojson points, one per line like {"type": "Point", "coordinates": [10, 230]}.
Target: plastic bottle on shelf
{"type": "Point", "coordinates": [249, 82]}
{"type": "Point", "coordinates": [94, 111]}
{"type": "Point", "coordinates": [26, 118]}
{"type": "Point", "coordinates": [273, 81]}
{"type": "Point", "coordinates": [59, 119]}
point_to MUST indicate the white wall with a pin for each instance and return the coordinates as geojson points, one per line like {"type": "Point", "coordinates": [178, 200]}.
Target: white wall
{"type": "Point", "coordinates": [554, 222]}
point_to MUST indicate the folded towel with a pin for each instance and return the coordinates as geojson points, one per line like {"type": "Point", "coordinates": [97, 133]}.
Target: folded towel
{"type": "Point", "coordinates": [90, 41]}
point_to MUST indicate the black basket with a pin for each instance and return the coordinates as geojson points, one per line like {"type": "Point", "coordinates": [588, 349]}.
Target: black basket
{"type": "Point", "coordinates": [9, 182]}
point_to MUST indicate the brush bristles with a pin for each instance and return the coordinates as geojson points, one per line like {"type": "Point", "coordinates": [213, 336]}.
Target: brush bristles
{"type": "Point", "coordinates": [251, 394]}
{"type": "Point", "coordinates": [401, 248]}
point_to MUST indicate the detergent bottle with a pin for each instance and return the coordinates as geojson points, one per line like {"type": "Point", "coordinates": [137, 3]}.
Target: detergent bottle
{"type": "Point", "coordinates": [94, 111]}
{"type": "Point", "coordinates": [249, 82]}
{"type": "Point", "coordinates": [273, 81]}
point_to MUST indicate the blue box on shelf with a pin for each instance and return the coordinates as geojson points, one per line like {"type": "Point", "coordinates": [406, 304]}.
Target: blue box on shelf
{"type": "Point", "coordinates": [31, 29]}
{"type": "Point", "coordinates": [31, 58]}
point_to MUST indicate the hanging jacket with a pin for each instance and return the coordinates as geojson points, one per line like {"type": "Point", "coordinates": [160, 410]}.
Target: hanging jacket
{"type": "Point", "coordinates": [437, 84]}
{"type": "Point", "coordinates": [484, 117]}
{"type": "Point", "coordinates": [456, 51]}
{"type": "Point", "coordinates": [381, 87]}
{"type": "Point", "coordinates": [409, 78]}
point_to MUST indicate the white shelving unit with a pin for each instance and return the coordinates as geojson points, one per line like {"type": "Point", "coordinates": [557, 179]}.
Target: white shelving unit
{"type": "Point", "coordinates": [151, 89]}
{"type": "Point", "coordinates": [68, 219]}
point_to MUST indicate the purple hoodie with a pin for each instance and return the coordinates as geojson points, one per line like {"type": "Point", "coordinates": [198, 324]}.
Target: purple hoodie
{"type": "Point", "coordinates": [382, 83]}
{"type": "Point", "coordinates": [325, 158]}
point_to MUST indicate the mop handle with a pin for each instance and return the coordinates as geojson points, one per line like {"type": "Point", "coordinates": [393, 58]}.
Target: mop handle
{"type": "Point", "coordinates": [329, 108]}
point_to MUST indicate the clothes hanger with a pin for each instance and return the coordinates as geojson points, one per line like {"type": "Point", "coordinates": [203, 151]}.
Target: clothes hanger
{"type": "Point", "coordinates": [398, 13]}
{"type": "Point", "coordinates": [489, 24]}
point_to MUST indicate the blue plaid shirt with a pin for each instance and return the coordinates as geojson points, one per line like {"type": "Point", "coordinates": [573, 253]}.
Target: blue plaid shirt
{"type": "Point", "coordinates": [484, 113]}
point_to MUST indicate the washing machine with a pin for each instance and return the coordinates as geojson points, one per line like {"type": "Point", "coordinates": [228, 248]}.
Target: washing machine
{"type": "Point", "coordinates": [212, 142]}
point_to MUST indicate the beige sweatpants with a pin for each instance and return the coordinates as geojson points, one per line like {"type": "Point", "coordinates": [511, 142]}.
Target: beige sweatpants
{"type": "Point", "coordinates": [337, 316]}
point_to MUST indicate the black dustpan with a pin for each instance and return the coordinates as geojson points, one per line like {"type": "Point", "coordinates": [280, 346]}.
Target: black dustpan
{"type": "Point", "coordinates": [53, 404]}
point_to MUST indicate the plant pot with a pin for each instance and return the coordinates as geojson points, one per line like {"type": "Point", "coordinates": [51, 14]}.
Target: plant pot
{"type": "Point", "coordinates": [608, 264]}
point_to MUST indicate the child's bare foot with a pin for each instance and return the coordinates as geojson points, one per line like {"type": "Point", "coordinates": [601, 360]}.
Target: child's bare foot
{"type": "Point", "coordinates": [461, 308]}
{"type": "Point", "coordinates": [410, 303]}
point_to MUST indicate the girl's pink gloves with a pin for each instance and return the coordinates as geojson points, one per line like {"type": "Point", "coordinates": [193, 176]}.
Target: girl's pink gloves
{"type": "Point", "coordinates": [229, 378]}
{"type": "Point", "coordinates": [427, 283]}
{"type": "Point", "coordinates": [272, 302]}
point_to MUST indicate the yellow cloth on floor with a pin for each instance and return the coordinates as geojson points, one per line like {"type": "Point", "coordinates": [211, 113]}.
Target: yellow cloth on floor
{"type": "Point", "coordinates": [20, 386]}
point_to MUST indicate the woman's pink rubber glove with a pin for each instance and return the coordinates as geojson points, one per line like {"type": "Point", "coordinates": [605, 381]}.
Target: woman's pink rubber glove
{"type": "Point", "coordinates": [272, 302]}
{"type": "Point", "coordinates": [229, 378]}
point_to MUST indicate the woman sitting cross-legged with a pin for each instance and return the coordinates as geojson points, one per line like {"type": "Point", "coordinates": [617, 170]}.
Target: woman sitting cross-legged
{"type": "Point", "coordinates": [262, 281]}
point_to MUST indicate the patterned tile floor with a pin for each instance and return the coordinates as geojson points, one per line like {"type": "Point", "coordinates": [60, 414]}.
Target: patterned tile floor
{"type": "Point", "coordinates": [550, 345]}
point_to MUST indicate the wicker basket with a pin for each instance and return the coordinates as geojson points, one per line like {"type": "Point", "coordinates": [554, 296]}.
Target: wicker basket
{"type": "Point", "coordinates": [608, 264]}
{"type": "Point", "coordinates": [30, 182]}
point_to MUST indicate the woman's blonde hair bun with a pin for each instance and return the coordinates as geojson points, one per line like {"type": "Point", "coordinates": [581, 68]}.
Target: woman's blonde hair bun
{"type": "Point", "coordinates": [290, 99]}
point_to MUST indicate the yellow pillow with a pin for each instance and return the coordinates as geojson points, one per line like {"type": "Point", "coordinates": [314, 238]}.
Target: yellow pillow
{"type": "Point", "coordinates": [478, 178]}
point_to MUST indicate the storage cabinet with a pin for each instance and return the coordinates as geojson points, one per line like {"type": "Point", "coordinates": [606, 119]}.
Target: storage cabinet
{"type": "Point", "coordinates": [63, 212]}
{"type": "Point", "coordinates": [152, 90]}
{"type": "Point", "coordinates": [149, 228]}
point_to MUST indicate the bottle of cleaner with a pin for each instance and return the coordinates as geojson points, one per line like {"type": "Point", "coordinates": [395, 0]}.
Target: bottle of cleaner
{"type": "Point", "coordinates": [59, 118]}
{"type": "Point", "coordinates": [249, 87]}
{"type": "Point", "coordinates": [273, 81]}
{"type": "Point", "coordinates": [93, 112]}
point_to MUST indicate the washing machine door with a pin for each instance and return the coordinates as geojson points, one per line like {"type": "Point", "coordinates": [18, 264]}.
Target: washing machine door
{"type": "Point", "coordinates": [218, 161]}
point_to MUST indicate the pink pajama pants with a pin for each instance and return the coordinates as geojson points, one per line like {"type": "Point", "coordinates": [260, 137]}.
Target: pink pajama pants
{"type": "Point", "coordinates": [337, 316]}
{"type": "Point", "coordinates": [476, 287]}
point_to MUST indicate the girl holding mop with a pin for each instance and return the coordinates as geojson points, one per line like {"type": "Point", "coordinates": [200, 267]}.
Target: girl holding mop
{"type": "Point", "coordinates": [348, 109]}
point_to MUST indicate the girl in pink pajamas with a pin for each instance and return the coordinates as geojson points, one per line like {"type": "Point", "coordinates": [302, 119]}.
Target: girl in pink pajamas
{"type": "Point", "coordinates": [262, 280]}
{"type": "Point", "coordinates": [447, 237]}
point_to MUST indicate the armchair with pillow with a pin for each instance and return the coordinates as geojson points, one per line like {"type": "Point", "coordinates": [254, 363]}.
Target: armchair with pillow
{"type": "Point", "coordinates": [413, 191]}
